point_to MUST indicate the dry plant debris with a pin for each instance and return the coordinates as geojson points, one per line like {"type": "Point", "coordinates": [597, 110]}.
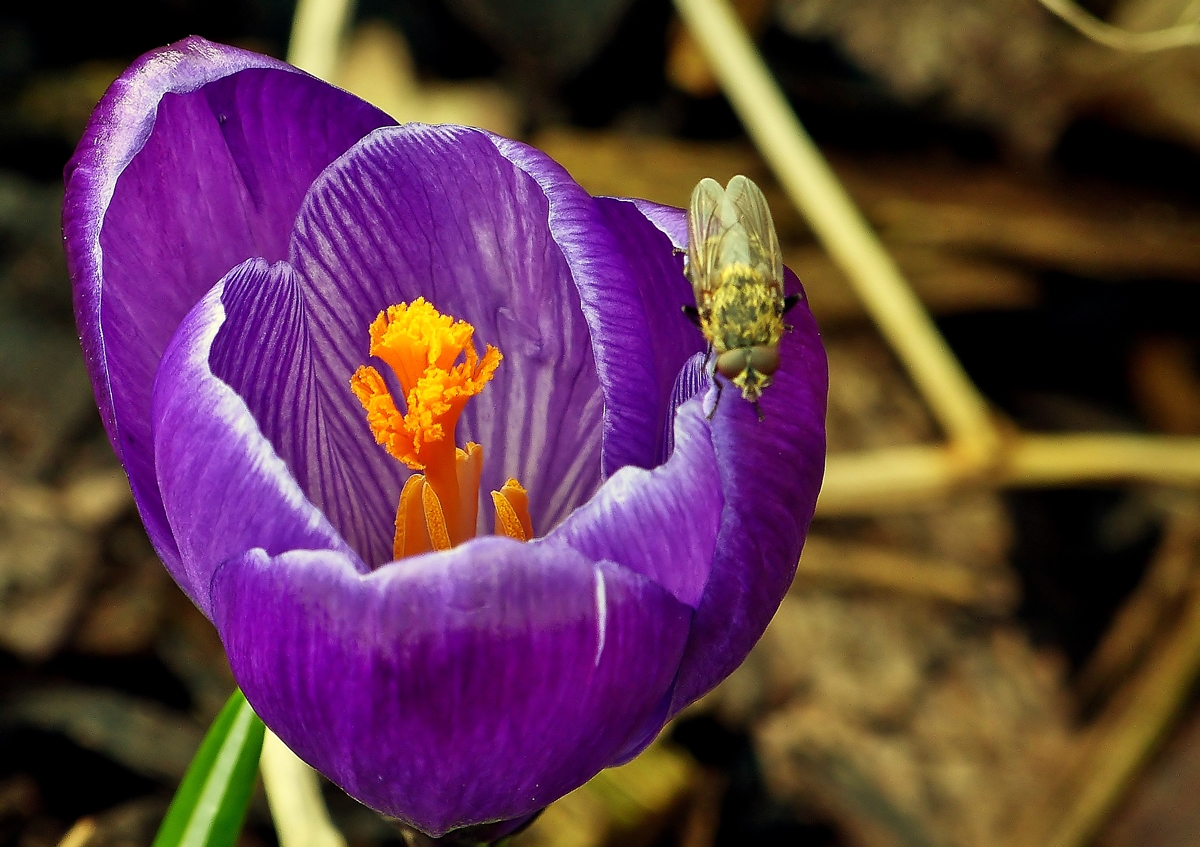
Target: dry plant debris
{"type": "Point", "coordinates": [1011, 65]}
{"type": "Point", "coordinates": [630, 805]}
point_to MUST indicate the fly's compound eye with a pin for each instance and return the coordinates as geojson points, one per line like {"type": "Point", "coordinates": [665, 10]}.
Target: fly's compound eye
{"type": "Point", "coordinates": [733, 362]}
{"type": "Point", "coordinates": [765, 360]}
{"type": "Point", "coordinates": [761, 359]}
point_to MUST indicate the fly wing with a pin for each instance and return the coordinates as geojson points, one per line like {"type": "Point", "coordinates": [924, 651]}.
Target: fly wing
{"type": "Point", "coordinates": [745, 204]}
{"type": "Point", "coordinates": [704, 237]}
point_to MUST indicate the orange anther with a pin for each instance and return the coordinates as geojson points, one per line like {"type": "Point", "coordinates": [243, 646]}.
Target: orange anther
{"type": "Point", "coordinates": [512, 511]}
{"type": "Point", "coordinates": [438, 508]}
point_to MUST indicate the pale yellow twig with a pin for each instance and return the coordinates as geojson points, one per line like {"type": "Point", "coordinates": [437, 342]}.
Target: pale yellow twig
{"type": "Point", "coordinates": [897, 477]}
{"type": "Point", "coordinates": [851, 565]}
{"type": "Point", "coordinates": [294, 795]}
{"type": "Point", "coordinates": [1040, 460]}
{"type": "Point", "coordinates": [1123, 740]}
{"type": "Point", "coordinates": [317, 30]}
{"type": "Point", "coordinates": [841, 227]}
{"type": "Point", "coordinates": [886, 479]}
{"type": "Point", "coordinates": [79, 834]}
{"type": "Point", "coordinates": [1183, 35]}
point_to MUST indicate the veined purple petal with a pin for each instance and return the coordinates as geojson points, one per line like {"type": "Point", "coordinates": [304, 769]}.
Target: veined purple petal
{"type": "Point", "coordinates": [670, 220]}
{"type": "Point", "coordinates": [663, 290]}
{"type": "Point", "coordinates": [766, 512]}
{"type": "Point", "coordinates": [660, 523]}
{"type": "Point", "coordinates": [264, 351]}
{"type": "Point", "coordinates": [692, 379]}
{"type": "Point", "coordinates": [455, 688]}
{"type": "Point", "coordinates": [224, 488]}
{"type": "Point", "coordinates": [437, 212]}
{"type": "Point", "coordinates": [195, 159]}
{"type": "Point", "coordinates": [602, 245]}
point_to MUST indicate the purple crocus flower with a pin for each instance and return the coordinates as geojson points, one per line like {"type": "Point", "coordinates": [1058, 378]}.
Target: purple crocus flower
{"type": "Point", "coordinates": [233, 227]}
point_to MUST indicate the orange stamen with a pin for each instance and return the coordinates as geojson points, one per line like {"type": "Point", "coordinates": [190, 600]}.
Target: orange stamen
{"type": "Point", "coordinates": [435, 518]}
{"type": "Point", "coordinates": [439, 508]}
{"type": "Point", "coordinates": [512, 511]}
{"type": "Point", "coordinates": [412, 537]}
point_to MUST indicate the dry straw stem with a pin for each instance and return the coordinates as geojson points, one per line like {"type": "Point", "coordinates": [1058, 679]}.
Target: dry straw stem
{"type": "Point", "coordinates": [812, 186]}
{"type": "Point", "coordinates": [317, 30]}
{"type": "Point", "coordinates": [1123, 738]}
{"type": "Point", "coordinates": [79, 834]}
{"type": "Point", "coordinates": [294, 795]}
{"type": "Point", "coordinates": [1153, 603]}
{"type": "Point", "coordinates": [1183, 35]}
{"type": "Point", "coordinates": [894, 478]}
{"type": "Point", "coordinates": [839, 564]}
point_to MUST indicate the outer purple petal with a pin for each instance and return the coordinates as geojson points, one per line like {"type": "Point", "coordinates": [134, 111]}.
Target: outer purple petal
{"type": "Point", "coordinates": [224, 488]}
{"type": "Point", "coordinates": [455, 688]}
{"type": "Point", "coordinates": [670, 220]}
{"type": "Point", "coordinates": [437, 212]}
{"type": "Point", "coordinates": [766, 517]}
{"type": "Point", "coordinates": [195, 159]}
{"type": "Point", "coordinates": [661, 523]}
{"type": "Point", "coordinates": [770, 472]}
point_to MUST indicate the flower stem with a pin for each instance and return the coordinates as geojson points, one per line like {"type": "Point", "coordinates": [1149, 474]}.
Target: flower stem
{"type": "Point", "coordinates": [294, 795]}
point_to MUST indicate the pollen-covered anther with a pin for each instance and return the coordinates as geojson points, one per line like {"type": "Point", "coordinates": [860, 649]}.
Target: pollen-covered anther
{"type": "Point", "coordinates": [439, 508]}
{"type": "Point", "coordinates": [512, 511]}
{"type": "Point", "coordinates": [421, 346]}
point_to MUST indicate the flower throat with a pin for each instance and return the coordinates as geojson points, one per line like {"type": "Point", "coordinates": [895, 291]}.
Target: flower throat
{"type": "Point", "coordinates": [438, 505]}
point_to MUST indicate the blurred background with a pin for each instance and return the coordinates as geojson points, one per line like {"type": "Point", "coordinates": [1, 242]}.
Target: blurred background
{"type": "Point", "coordinates": [995, 666]}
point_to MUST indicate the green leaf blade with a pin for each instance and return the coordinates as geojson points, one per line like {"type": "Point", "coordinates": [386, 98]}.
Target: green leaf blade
{"type": "Point", "coordinates": [210, 805]}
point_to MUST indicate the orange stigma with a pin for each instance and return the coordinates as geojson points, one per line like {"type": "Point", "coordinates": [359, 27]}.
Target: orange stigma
{"type": "Point", "coordinates": [438, 508]}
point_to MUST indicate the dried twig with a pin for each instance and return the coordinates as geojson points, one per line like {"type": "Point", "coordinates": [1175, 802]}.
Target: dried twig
{"type": "Point", "coordinates": [79, 834]}
{"type": "Point", "coordinates": [1121, 740]}
{"type": "Point", "coordinates": [317, 30]}
{"type": "Point", "coordinates": [1183, 35]}
{"type": "Point", "coordinates": [294, 795]}
{"type": "Point", "coordinates": [895, 477]}
{"type": "Point", "coordinates": [837, 222]}
{"type": "Point", "coordinates": [1153, 603]}
{"type": "Point", "coordinates": [845, 564]}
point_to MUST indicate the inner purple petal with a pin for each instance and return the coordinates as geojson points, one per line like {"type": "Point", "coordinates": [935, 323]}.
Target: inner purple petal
{"type": "Point", "coordinates": [264, 352]}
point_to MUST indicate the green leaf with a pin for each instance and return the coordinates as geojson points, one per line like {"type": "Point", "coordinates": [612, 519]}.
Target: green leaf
{"type": "Point", "coordinates": [211, 802]}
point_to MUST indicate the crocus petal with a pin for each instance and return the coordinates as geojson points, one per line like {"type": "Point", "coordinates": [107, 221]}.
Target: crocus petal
{"type": "Point", "coordinates": [766, 514]}
{"type": "Point", "coordinates": [195, 159]}
{"type": "Point", "coordinates": [671, 221]}
{"type": "Point", "coordinates": [224, 488]}
{"type": "Point", "coordinates": [602, 244]}
{"type": "Point", "coordinates": [663, 291]}
{"type": "Point", "coordinates": [264, 351]}
{"type": "Point", "coordinates": [437, 212]}
{"type": "Point", "coordinates": [693, 379]}
{"type": "Point", "coordinates": [455, 688]}
{"type": "Point", "coordinates": [660, 523]}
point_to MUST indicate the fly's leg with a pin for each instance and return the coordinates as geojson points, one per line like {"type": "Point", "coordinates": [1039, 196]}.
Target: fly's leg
{"type": "Point", "coordinates": [716, 402]}
{"type": "Point", "coordinates": [789, 303]}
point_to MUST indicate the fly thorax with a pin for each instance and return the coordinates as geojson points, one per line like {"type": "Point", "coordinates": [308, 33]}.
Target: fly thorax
{"type": "Point", "coordinates": [744, 311]}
